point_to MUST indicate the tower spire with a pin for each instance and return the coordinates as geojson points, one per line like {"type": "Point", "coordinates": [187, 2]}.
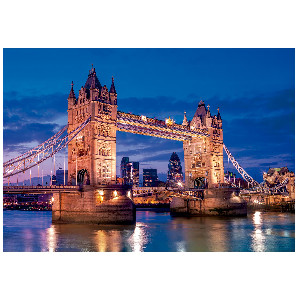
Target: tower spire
{"type": "Point", "coordinates": [112, 87]}
{"type": "Point", "coordinates": [208, 111]}
{"type": "Point", "coordinates": [185, 121]}
{"type": "Point", "coordinates": [72, 94]}
{"type": "Point", "coordinates": [218, 115]}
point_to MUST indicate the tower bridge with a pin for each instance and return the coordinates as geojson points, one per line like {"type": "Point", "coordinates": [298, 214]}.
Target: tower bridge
{"type": "Point", "coordinates": [90, 136]}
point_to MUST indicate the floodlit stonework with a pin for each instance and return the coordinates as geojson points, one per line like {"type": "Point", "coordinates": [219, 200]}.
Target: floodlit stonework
{"type": "Point", "coordinates": [92, 154]}
{"type": "Point", "coordinates": [203, 157]}
{"type": "Point", "coordinates": [276, 176]}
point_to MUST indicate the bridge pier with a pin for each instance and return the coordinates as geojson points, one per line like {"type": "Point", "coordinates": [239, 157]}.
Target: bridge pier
{"type": "Point", "coordinates": [95, 205]}
{"type": "Point", "coordinates": [216, 202]}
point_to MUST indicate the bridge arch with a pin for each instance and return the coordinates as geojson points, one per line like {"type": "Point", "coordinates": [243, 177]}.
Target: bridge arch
{"type": "Point", "coordinates": [83, 177]}
{"type": "Point", "coordinates": [200, 183]}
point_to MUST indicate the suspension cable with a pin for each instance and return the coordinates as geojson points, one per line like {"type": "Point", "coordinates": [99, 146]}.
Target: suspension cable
{"type": "Point", "coordinates": [45, 150]}
{"type": "Point", "coordinates": [242, 172]}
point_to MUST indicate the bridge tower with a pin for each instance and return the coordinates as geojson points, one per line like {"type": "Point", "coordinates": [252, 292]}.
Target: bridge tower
{"type": "Point", "coordinates": [92, 154]}
{"type": "Point", "coordinates": [203, 157]}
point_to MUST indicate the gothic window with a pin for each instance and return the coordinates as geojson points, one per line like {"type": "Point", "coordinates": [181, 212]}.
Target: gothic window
{"type": "Point", "coordinates": [106, 130]}
{"type": "Point", "coordinates": [104, 149]}
{"type": "Point", "coordinates": [99, 170]}
{"type": "Point", "coordinates": [106, 173]}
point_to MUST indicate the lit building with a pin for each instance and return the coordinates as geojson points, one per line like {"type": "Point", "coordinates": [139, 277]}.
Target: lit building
{"type": "Point", "coordinates": [123, 169]}
{"type": "Point", "coordinates": [130, 172]}
{"type": "Point", "coordinates": [150, 177]}
{"type": "Point", "coordinates": [239, 182]}
{"type": "Point", "coordinates": [175, 174]}
{"type": "Point", "coordinates": [60, 176]}
{"type": "Point", "coordinates": [276, 176]}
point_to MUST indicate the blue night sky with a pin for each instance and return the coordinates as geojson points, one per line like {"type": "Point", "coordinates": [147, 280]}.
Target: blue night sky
{"type": "Point", "coordinates": [254, 88]}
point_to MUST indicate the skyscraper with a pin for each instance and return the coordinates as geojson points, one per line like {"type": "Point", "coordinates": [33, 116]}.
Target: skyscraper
{"type": "Point", "coordinates": [150, 177]}
{"type": "Point", "coordinates": [175, 174]}
{"type": "Point", "coordinates": [60, 176]}
{"type": "Point", "coordinates": [123, 169]}
{"type": "Point", "coordinates": [130, 172]}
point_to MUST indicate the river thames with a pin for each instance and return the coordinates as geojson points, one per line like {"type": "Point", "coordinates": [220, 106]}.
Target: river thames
{"type": "Point", "coordinates": [153, 232]}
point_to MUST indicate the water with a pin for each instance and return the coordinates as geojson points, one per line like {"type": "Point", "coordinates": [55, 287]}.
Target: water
{"type": "Point", "coordinates": [154, 232]}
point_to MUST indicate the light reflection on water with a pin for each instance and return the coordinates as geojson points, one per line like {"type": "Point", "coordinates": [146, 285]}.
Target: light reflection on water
{"type": "Point", "coordinates": [138, 239]}
{"type": "Point", "coordinates": [51, 238]}
{"type": "Point", "coordinates": [153, 231]}
{"type": "Point", "coordinates": [258, 238]}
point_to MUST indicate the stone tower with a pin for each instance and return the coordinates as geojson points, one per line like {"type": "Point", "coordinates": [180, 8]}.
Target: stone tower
{"type": "Point", "coordinates": [92, 153]}
{"type": "Point", "coordinates": [203, 157]}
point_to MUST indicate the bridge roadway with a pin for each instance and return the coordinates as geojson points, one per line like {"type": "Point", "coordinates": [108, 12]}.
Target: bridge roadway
{"type": "Point", "coordinates": [13, 189]}
{"type": "Point", "coordinates": [38, 189]}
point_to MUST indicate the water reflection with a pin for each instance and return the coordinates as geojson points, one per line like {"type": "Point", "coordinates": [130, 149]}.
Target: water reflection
{"type": "Point", "coordinates": [108, 241]}
{"type": "Point", "coordinates": [181, 246]}
{"type": "Point", "coordinates": [51, 239]}
{"type": "Point", "coordinates": [138, 239]}
{"type": "Point", "coordinates": [28, 240]}
{"type": "Point", "coordinates": [258, 238]}
{"type": "Point", "coordinates": [154, 232]}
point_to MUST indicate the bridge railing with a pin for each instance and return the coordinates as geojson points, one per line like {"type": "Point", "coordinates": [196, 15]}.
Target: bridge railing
{"type": "Point", "coordinates": [39, 187]}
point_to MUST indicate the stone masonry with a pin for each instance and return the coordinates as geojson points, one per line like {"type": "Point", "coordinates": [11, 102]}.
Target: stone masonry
{"type": "Point", "coordinates": [203, 157]}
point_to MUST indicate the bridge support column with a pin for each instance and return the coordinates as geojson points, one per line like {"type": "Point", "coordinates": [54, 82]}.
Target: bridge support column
{"type": "Point", "coordinates": [203, 157]}
{"type": "Point", "coordinates": [95, 204]}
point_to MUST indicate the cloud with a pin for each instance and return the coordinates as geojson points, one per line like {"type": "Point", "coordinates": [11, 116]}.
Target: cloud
{"type": "Point", "coordinates": [258, 129]}
{"type": "Point", "coordinates": [18, 110]}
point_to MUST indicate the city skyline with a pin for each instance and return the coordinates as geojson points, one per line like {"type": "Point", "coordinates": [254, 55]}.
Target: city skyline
{"type": "Point", "coordinates": [254, 89]}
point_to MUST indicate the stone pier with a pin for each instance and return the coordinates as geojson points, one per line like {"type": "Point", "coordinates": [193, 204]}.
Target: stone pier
{"type": "Point", "coordinates": [215, 202]}
{"type": "Point", "coordinates": [95, 205]}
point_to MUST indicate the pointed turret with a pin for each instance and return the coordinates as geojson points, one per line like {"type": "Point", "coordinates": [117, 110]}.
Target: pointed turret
{"type": "Point", "coordinates": [93, 81]}
{"type": "Point", "coordinates": [112, 87]}
{"type": "Point", "coordinates": [72, 94]}
{"type": "Point", "coordinates": [72, 98]}
{"type": "Point", "coordinates": [208, 111]}
{"type": "Point", "coordinates": [218, 115]}
{"type": "Point", "coordinates": [199, 118]}
{"type": "Point", "coordinates": [113, 92]}
{"type": "Point", "coordinates": [185, 121]}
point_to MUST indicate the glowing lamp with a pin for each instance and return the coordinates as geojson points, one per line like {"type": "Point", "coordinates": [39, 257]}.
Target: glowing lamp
{"type": "Point", "coordinates": [169, 121]}
{"type": "Point", "coordinates": [115, 193]}
{"type": "Point", "coordinates": [101, 193]}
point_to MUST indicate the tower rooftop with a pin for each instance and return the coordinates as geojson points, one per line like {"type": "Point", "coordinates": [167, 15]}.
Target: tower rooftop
{"type": "Point", "coordinates": [93, 81]}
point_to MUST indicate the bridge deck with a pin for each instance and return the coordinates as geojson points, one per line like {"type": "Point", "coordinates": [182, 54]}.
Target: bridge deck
{"type": "Point", "coordinates": [153, 127]}
{"type": "Point", "coordinates": [38, 189]}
